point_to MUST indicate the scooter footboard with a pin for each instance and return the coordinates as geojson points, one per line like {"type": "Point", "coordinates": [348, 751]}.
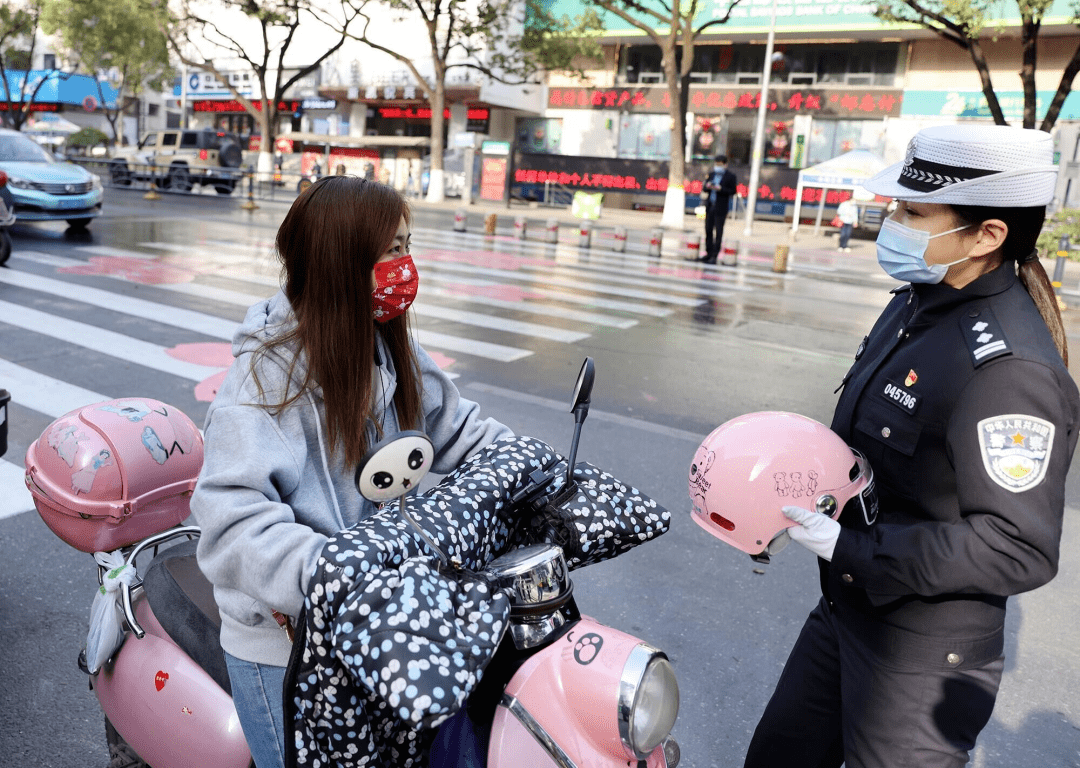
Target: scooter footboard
{"type": "Point", "coordinates": [165, 706]}
{"type": "Point", "coordinates": [564, 705]}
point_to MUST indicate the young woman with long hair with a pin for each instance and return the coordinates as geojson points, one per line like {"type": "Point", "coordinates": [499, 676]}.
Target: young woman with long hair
{"type": "Point", "coordinates": [323, 369]}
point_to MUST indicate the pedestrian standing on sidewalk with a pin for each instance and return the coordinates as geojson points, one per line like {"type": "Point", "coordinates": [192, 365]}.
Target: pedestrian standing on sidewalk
{"type": "Point", "coordinates": [848, 213]}
{"type": "Point", "coordinates": [962, 402]}
{"type": "Point", "coordinates": [323, 370]}
{"type": "Point", "coordinates": [719, 186]}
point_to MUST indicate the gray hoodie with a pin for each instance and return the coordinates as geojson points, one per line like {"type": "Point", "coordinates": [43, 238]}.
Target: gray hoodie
{"type": "Point", "coordinates": [270, 492]}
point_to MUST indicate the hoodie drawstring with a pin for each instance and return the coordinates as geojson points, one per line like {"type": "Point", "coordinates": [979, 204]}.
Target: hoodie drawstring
{"type": "Point", "coordinates": [325, 464]}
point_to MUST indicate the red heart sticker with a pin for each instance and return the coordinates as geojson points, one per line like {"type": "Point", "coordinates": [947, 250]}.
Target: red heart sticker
{"type": "Point", "coordinates": [159, 679]}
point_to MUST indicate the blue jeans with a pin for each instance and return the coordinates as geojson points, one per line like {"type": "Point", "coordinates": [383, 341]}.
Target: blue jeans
{"type": "Point", "coordinates": [257, 696]}
{"type": "Point", "coordinates": [845, 234]}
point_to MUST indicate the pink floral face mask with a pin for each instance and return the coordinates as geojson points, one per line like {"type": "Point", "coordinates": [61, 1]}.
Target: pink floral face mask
{"type": "Point", "coordinates": [395, 287]}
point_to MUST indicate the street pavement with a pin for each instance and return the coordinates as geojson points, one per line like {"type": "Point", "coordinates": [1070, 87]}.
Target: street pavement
{"type": "Point", "coordinates": [145, 304]}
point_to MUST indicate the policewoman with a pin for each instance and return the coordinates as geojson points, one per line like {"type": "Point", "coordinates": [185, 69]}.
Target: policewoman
{"type": "Point", "coordinates": [961, 399]}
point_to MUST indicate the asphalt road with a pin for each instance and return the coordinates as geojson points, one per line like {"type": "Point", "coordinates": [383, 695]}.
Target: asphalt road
{"type": "Point", "coordinates": [679, 349]}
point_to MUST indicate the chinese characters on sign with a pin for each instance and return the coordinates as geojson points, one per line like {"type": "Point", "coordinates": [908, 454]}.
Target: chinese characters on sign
{"type": "Point", "coordinates": [232, 105]}
{"type": "Point", "coordinates": [493, 178]}
{"type": "Point", "coordinates": [870, 103]}
{"type": "Point", "coordinates": [611, 175]}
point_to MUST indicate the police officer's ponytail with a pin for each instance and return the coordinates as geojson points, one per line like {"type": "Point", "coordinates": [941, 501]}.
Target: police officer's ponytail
{"type": "Point", "coordinates": [1024, 226]}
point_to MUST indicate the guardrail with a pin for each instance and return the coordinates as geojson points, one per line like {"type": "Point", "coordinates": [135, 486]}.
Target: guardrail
{"type": "Point", "coordinates": [182, 179]}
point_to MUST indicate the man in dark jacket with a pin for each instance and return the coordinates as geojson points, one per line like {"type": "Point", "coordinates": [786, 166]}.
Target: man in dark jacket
{"type": "Point", "coordinates": [717, 189]}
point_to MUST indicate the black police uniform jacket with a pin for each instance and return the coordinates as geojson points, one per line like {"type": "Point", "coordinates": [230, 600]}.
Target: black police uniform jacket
{"type": "Point", "coordinates": [968, 416]}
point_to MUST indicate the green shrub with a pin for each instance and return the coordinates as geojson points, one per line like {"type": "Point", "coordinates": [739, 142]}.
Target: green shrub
{"type": "Point", "coordinates": [1064, 222]}
{"type": "Point", "coordinates": [86, 137]}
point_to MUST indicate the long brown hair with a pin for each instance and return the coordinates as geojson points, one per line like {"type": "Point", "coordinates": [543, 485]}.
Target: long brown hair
{"type": "Point", "coordinates": [1024, 225]}
{"type": "Point", "coordinates": [328, 244]}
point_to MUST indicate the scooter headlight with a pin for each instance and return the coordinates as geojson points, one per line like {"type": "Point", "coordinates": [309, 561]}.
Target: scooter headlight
{"type": "Point", "coordinates": [648, 701]}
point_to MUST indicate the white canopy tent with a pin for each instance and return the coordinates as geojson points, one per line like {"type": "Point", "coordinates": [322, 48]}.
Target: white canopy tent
{"type": "Point", "coordinates": [846, 171]}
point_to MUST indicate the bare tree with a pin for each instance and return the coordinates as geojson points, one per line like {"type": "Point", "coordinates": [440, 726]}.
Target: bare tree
{"type": "Point", "coordinates": [198, 32]}
{"type": "Point", "coordinates": [19, 23]}
{"type": "Point", "coordinates": [674, 27]}
{"type": "Point", "coordinates": [509, 41]}
{"type": "Point", "coordinates": [964, 22]}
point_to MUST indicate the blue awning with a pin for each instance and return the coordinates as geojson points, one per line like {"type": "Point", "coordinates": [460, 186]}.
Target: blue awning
{"type": "Point", "coordinates": [58, 88]}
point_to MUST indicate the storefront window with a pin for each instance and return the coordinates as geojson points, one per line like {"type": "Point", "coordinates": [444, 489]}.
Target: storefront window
{"type": "Point", "coordinates": [778, 142]}
{"type": "Point", "coordinates": [646, 137]}
{"type": "Point", "coordinates": [831, 138]}
{"type": "Point", "coordinates": [539, 134]}
{"type": "Point", "coordinates": [852, 64]}
{"type": "Point", "coordinates": [710, 137]}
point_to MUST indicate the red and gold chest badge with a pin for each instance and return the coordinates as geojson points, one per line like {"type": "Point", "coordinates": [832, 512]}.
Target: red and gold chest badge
{"type": "Point", "coordinates": [1016, 450]}
{"type": "Point", "coordinates": [912, 377]}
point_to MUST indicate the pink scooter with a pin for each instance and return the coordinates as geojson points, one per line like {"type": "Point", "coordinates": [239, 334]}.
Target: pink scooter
{"type": "Point", "coordinates": [118, 475]}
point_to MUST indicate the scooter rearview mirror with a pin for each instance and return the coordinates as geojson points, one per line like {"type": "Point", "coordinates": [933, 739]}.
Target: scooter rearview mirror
{"type": "Point", "coordinates": [580, 409]}
{"type": "Point", "coordinates": [394, 466]}
{"type": "Point", "coordinates": [583, 390]}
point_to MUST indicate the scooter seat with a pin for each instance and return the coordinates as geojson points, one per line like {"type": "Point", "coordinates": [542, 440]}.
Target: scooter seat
{"type": "Point", "coordinates": [182, 600]}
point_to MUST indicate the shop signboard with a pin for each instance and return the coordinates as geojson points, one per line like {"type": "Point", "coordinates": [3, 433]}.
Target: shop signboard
{"type": "Point", "coordinates": [607, 174]}
{"type": "Point", "coordinates": [493, 178]}
{"type": "Point", "coordinates": [716, 100]}
{"type": "Point", "coordinates": [49, 86]}
{"type": "Point", "coordinates": [973, 104]}
{"type": "Point", "coordinates": [234, 106]}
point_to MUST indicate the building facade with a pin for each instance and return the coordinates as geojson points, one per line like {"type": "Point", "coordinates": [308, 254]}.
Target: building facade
{"type": "Point", "coordinates": [839, 79]}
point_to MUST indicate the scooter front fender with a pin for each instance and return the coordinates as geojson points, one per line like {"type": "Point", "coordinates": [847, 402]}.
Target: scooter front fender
{"type": "Point", "coordinates": [561, 708]}
{"type": "Point", "coordinates": [165, 706]}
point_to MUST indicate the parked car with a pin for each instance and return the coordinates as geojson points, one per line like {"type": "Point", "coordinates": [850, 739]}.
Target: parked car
{"type": "Point", "coordinates": [179, 159]}
{"type": "Point", "coordinates": [45, 189]}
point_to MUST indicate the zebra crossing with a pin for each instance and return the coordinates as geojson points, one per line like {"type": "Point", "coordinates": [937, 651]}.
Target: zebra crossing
{"type": "Point", "coordinates": [518, 296]}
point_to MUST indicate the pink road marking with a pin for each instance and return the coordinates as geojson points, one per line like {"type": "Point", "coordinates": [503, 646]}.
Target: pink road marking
{"type": "Point", "coordinates": [217, 354]}
{"type": "Point", "coordinates": [207, 389]}
{"type": "Point", "coordinates": [504, 292]}
{"type": "Point", "coordinates": [648, 398]}
{"type": "Point", "coordinates": [441, 360]}
{"type": "Point", "coordinates": [135, 270]}
{"type": "Point", "coordinates": [212, 353]}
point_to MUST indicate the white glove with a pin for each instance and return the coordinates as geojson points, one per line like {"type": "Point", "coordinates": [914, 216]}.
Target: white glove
{"type": "Point", "coordinates": [815, 531]}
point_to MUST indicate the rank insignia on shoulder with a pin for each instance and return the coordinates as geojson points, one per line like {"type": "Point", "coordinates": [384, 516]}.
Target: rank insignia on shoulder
{"type": "Point", "coordinates": [1016, 450]}
{"type": "Point", "coordinates": [984, 337]}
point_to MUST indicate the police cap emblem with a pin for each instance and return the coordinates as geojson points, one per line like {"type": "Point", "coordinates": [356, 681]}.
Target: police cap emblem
{"type": "Point", "coordinates": [1016, 450]}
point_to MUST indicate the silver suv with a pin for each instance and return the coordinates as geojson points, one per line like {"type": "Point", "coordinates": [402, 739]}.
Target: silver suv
{"type": "Point", "coordinates": [178, 159]}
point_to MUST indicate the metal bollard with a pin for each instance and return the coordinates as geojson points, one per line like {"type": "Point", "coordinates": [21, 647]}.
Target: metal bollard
{"type": "Point", "coordinates": [731, 255]}
{"type": "Point", "coordinates": [250, 204]}
{"type": "Point", "coordinates": [489, 224]}
{"type": "Point", "coordinates": [459, 220]}
{"type": "Point", "coordinates": [780, 258]}
{"type": "Point", "coordinates": [152, 193]}
{"type": "Point", "coordinates": [585, 235]}
{"type": "Point", "coordinates": [693, 246]}
{"type": "Point", "coordinates": [520, 225]}
{"type": "Point", "coordinates": [552, 231]}
{"type": "Point", "coordinates": [656, 238]}
{"type": "Point", "coordinates": [620, 239]}
{"type": "Point", "coordinates": [1062, 256]}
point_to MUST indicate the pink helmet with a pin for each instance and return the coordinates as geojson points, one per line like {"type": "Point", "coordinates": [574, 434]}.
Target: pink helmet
{"type": "Point", "coordinates": [751, 466]}
{"type": "Point", "coordinates": [109, 474]}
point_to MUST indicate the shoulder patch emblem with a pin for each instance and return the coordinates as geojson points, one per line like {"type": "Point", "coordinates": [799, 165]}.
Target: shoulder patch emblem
{"type": "Point", "coordinates": [984, 337]}
{"type": "Point", "coordinates": [1016, 450]}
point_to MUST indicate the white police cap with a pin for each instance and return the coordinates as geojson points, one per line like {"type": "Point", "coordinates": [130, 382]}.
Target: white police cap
{"type": "Point", "coordinates": [992, 165]}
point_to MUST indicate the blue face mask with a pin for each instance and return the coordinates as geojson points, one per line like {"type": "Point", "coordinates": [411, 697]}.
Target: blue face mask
{"type": "Point", "coordinates": [901, 252]}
